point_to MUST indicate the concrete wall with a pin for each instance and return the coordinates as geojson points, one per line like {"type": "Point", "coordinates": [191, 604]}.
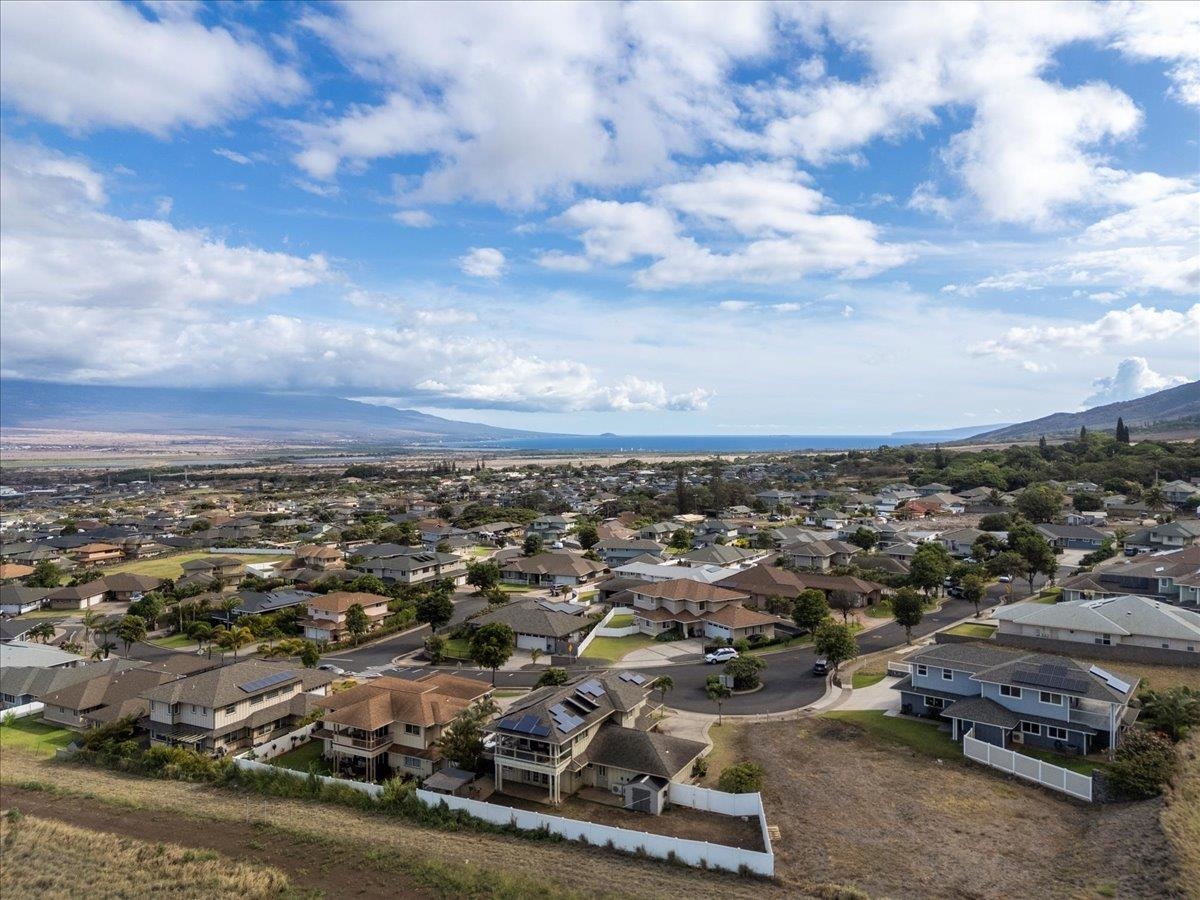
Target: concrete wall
{"type": "Point", "coordinates": [1127, 652]}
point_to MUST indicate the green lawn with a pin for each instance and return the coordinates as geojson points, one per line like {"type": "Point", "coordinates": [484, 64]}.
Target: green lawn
{"type": "Point", "coordinates": [880, 610]}
{"type": "Point", "coordinates": [1048, 596]}
{"type": "Point", "coordinates": [175, 642]}
{"type": "Point", "coordinates": [516, 588]}
{"type": "Point", "coordinates": [172, 566]}
{"type": "Point", "coordinates": [919, 736]}
{"type": "Point", "coordinates": [1081, 764]}
{"type": "Point", "coordinates": [866, 679]}
{"type": "Point", "coordinates": [782, 645]}
{"type": "Point", "coordinates": [34, 735]}
{"type": "Point", "coordinates": [509, 694]}
{"type": "Point", "coordinates": [480, 552]}
{"type": "Point", "coordinates": [613, 649]}
{"type": "Point", "coordinates": [972, 629]}
{"type": "Point", "coordinates": [302, 757]}
{"type": "Point", "coordinates": [623, 621]}
{"type": "Point", "coordinates": [459, 648]}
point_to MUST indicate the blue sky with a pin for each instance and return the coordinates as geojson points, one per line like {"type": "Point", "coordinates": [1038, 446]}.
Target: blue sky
{"type": "Point", "coordinates": [639, 218]}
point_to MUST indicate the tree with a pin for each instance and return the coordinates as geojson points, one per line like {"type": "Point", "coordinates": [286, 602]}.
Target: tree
{"type": "Point", "coordinates": [1172, 712]}
{"type": "Point", "coordinates": [43, 631]}
{"type": "Point", "coordinates": [90, 619]}
{"type": "Point", "coordinates": [908, 609]}
{"type": "Point", "coordinates": [201, 633]}
{"type": "Point", "coordinates": [810, 610]}
{"type": "Point", "coordinates": [1083, 434]}
{"type": "Point", "coordinates": [681, 539]}
{"type": "Point", "coordinates": [495, 595]}
{"type": "Point", "coordinates": [744, 670]}
{"type": "Point", "coordinates": [229, 605]}
{"type": "Point", "coordinates": [234, 638]}
{"type": "Point", "coordinates": [71, 647]}
{"type": "Point", "coordinates": [973, 589]}
{"type": "Point", "coordinates": [1122, 431]}
{"type": "Point", "coordinates": [836, 643]}
{"type": "Point", "coordinates": [863, 537]}
{"type": "Point", "coordinates": [1143, 763]}
{"type": "Point", "coordinates": [357, 622]}
{"type": "Point", "coordinates": [1083, 502]}
{"type": "Point", "coordinates": [532, 545]}
{"type": "Point", "coordinates": [45, 574]}
{"type": "Point", "coordinates": [718, 693]}
{"type": "Point", "coordinates": [682, 498]}
{"type": "Point", "coordinates": [741, 778]}
{"type": "Point", "coordinates": [1036, 555]}
{"type": "Point", "coordinates": [434, 608]}
{"type": "Point", "coordinates": [994, 522]}
{"type": "Point", "coordinates": [492, 646]}
{"type": "Point", "coordinates": [1153, 498]}
{"type": "Point", "coordinates": [103, 649]}
{"type": "Point", "coordinates": [310, 655]}
{"type": "Point", "coordinates": [587, 535]}
{"type": "Point", "coordinates": [131, 630]}
{"type": "Point", "coordinates": [552, 677]}
{"type": "Point", "coordinates": [483, 575]}
{"type": "Point", "coordinates": [462, 740]}
{"type": "Point", "coordinates": [1040, 502]}
{"type": "Point", "coordinates": [663, 684]}
{"type": "Point", "coordinates": [778, 606]}
{"type": "Point", "coordinates": [1043, 450]}
{"type": "Point", "coordinates": [929, 566]}
{"type": "Point", "coordinates": [843, 602]}
{"type": "Point", "coordinates": [435, 647]}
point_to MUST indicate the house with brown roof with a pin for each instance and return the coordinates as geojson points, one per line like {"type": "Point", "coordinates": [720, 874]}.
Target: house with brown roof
{"type": "Point", "coordinates": [551, 570]}
{"type": "Point", "coordinates": [13, 571]}
{"type": "Point", "coordinates": [763, 583]}
{"type": "Point", "coordinates": [224, 569]}
{"type": "Point", "coordinates": [327, 614]}
{"type": "Point", "coordinates": [392, 726]}
{"type": "Point", "coordinates": [822, 555]}
{"type": "Point", "coordinates": [79, 596]}
{"type": "Point", "coordinates": [541, 625]}
{"type": "Point", "coordinates": [94, 554]}
{"type": "Point", "coordinates": [232, 708]}
{"type": "Point", "coordinates": [697, 609]}
{"type": "Point", "coordinates": [321, 557]}
{"type": "Point", "coordinates": [123, 585]}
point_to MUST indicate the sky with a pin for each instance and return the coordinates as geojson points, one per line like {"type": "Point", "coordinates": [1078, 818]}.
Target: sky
{"type": "Point", "coordinates": [643, 218]}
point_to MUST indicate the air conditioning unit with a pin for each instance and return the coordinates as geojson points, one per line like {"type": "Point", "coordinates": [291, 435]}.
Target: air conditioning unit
{"type": "Point", "coordinates": [1018, 737]}
{"type": "Point", "coordinates": [618, 789]}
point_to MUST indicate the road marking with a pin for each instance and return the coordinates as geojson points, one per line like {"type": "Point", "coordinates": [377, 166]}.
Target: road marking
{"type": "Point", "coordinates": [338, 658]}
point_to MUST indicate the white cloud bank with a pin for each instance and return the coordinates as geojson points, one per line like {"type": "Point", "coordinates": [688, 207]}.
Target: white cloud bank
{"type": "Point", "coordinates": [482, 262]}
{"type": "Point", "coordinates": [1134, 378]}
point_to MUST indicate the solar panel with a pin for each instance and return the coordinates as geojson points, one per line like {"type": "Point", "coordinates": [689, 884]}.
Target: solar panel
{"type": "Point", "coordinates": [253, 687]}
{"type": "Point", "coordinates": [526, 724]}
{"type": "Point", "coordinates": [585, 701]}
{"type": "Point", "coordinates": [1053, 681]}
{"type": "Point", "coordinates": [592, 687]}
{"type": "Point", "coordinates": [573, 704]}
{"type": "Point", "coordinates": [510, 723]}
{"type": "Point", "coordinates": [540, 730]}
{"type": "Point", "coordinates": [1117, 684]}
{"type": "Point", "coordinates": [633, 677]}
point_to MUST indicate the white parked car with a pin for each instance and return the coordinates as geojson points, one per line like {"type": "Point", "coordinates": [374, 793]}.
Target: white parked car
{"type": "Point", "coordinates": [1005, 579]}
{"type": "Point", "coordinates": [721, 655]}
{"type": "Point", "coordinates": [330, 667]}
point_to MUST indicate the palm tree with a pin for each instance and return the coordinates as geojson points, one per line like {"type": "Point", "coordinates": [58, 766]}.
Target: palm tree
{"type": "Point", "coordinates": [234, 638]}
{"type": "Point", "coordinates": [1172, 712]}
{"type": "Point", "coordinates": [103, 648]}
{"type": "Point", "coordinates": [535, 655]}
{"type": "Point", "coordinates": [663, 684]}
{"type": "Point", "coordinates": [718, 693]}
{"type": "Point", "coordinates": [90, 619]}
{"type": "Point", "coordinates": [1153, 498]}
{"type": "Point", "coordinates": [43, 631]}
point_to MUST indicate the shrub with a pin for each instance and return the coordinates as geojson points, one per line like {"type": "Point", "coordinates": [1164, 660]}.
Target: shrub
{"type": "Point", "coordinates": [700, 767]}
{"type": "Point", "coordinates": [1145, 761]}
{"type": "Point", "coordinates": [671, 634]}
{"type": "Point", "coordinates": [742, 778]}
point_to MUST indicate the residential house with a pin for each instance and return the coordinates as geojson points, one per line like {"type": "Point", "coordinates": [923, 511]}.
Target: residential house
{"type": "Point", "coordinates": [658, 531]}
{"type": "Point", "coordinates": [10, 572]}
{"type": "Point", "coordinates": [865, 593]}
{"type": "Point", "coordinates": [541, 625]}
{"type": "Point", "coordinates": [958, 541]}
{"type": "Point", "coordinates": [97, 554]}
{"type": "Point", "coordinates": [617, 552]}
{"type": "Point", "coordinates": [550, 529]}
{"type": "Point", "coordinates": [660, 571]}
{"type": "Point", "coordinates": [223, 569]}
{"type": "Point", "coordinates": [773, 499]}
{"type": "Point", "coordinates": [124, 586]}
{"type": "Point", "coordinates": [1073, 537]}
{"type": "Point", "coordinates": [763, 583]}
{"type": "Point", "coordinates": [79, 596]}
{"type": "Point", "coordinates": [723, 555]}
{"type": "Point", "coordinates": [17, 599]}
{"type": "Point", "coordinates": [1179, 492]}
{"type": "Point", "coordinates": [234, 707]}
{"type": "Point", "coordinates": [321, 557]}
{"type": "Point", "coordinates": [25, 683]}
{"type": "Point", "coordinates": [1005, 696]}
{"type": "Point", "coordinates": [590, 733]}
{"type": "Point", "coordinates": [1172, 577]}
{"type": "Point", "coordinates": [822, 555]}
{"type": "Point", "coordinates": [697, 610]}
{"type": "Point", "coordinates": [391, 726]}
{"type": "Point", "coordinates": [327, 614]}
{"type": "Point", "coordinates": [414, 565]}
{"type": "Point", "coordinates": [551, 569]}
{"type": "Point", "coordinates": [1124, 621]}
{"type": "Point", "coordinates": [826, 518]}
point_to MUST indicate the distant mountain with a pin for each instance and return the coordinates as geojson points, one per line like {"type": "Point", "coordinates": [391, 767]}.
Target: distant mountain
{"type": "Point", "coordinates": [1174, 410]}
{"type": "Point", "coordinates": [947, 434]}
{"type": "Point", "coordinates": [226, 413]}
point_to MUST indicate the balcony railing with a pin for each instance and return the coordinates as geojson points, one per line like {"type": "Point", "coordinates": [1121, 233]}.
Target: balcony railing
{"type": "Point", "coordinates": [362, 743]}
{"type": "Point", "coordinates": [543, 759]}
{"type": "Point", "coordinates": [1091, 719]}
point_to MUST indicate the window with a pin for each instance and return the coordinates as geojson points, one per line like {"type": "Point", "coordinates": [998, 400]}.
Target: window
{"type": "Point", "coordinates": [1007, 690]}
{"type": "Point", "coordinates": [934, 702]}
{"type": "Point", "coordinates": [922, 670]}
{"type": "Point", "coordinates": [1050, 697]}
{"type": "Point", "coordinates": [947, 674]}
{"type": "Point", "coordinates": [1058, 734]}
{"type": "Point", "coordinates": [411, 729]}
{"type": "Point", "coordinates": [231, 708]}
{"type": "Point", "coordinates": [412, 762]}
{"type": "Point", "coordinates": [1166, 646]}
{"type": "Point", "coordinates": [1105, 639]}
{"type": "Point", "coordinates": [1031, 728]}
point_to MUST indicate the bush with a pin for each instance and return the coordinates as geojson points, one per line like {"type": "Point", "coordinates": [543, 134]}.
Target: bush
{"type": "Point", "coordinates": [671, 634]}
{"type": "Point", "coordinates": [742, 778]}
{"type": "Point", "coordinates": [700, 767]}
{"type": "Point", "coordinates": [1145, 761]}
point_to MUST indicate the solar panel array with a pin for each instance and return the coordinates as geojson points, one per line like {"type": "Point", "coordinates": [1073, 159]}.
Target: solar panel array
{"type": "Point", "coordinates": [526, 724]}
{"type": "Point", "coordinates": [1050, 679]}
{"type": "Point", "coordinates": [564, 721]}
{"type": "Point", "coordinates": [633, 677]}
{"type": "Point", "coordinates": [592, 688]}
{"type": "Point", "coordinates": [253, 687]}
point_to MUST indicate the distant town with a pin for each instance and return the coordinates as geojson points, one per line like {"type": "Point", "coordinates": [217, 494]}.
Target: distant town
{"type": "Point", "coordinates": [644, 656]}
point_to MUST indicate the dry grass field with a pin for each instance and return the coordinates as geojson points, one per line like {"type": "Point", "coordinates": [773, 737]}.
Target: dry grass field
{"type": "Point", "coordinates": [44, 858]}
{"type": "Point", "coordinates": [1181, 817]}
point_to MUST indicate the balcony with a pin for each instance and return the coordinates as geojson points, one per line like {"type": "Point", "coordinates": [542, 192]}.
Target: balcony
{"type": "Point", "coordinates": [541, 759]}
{"type": "Point", "coordinates": [1096, 720]}
{"type": "Point", "coordinates": [357, 741]}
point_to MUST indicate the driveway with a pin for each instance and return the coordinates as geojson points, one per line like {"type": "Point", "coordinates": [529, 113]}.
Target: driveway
{"type": "Point", "coordinates": [878, 696]}
{"type": "Point", "coordinates": [663, 654]}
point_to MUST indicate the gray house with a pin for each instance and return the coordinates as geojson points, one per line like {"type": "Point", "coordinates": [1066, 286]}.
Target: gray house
{"type": "Point", "coordinates": [1007, 696]}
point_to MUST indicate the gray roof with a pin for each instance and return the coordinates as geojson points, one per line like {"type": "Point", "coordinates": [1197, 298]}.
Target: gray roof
{"type": "Point", "coordinates": [645, 752]}
{"type": "Point", "coordinates": [530, 617]}
{"type": "Point", "coordinates": [219, 687]}
{"type": "Point", "coordinates": [35, 681]}
{"type": "Point", "coordinates": [963, 657]}
{"type": "Point", "coordinates": [616, 694]}
{"type": "Point", "coordinates": [1125, 615]}
{"type": "Point", "coordinates": [980, 709]}
{"type": "Point", "coordinates": [26, 653]}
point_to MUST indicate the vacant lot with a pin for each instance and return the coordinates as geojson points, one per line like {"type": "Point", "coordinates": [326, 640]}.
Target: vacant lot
{"type": "Point", "coordinates": [44, 858]}
{"type": "Point", "coordinates": [172, 566]}
{"type": "Point", "coordinates": [1181, 817]}
{"type": "Point", "coordinates": [857, 810]}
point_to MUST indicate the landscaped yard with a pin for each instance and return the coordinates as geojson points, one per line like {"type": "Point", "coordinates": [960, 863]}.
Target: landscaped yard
{"type": "Point", "coordinates": [35, 736]}
{"type": "Point", "coordinates": [457, 648]}
{"type": "Point", "coordinates": [973, 630]}
{"type": "Point", "coordinates": [172, 566]}
{"type": "Point", "coordinates": [1048, 596]}
{"type": "Point", "coordinates": [613, 649]}
{"type": "Point", "coordinates": [1081, 764]}
{"type": "Point", "coordinates": [303, 757]}
{"type": "Point", "coordinates": [866, 679]}
{"type": "Point", "coordinates": [516, 588]}
{"type": "Point", "coordinates": [782, 645]}
{"type": "Point", "coordinates": [880, 610]}
{"type": "Point", "coordinates": [621, 621]}
{"type": "Point", "coordinates": [175, 642]}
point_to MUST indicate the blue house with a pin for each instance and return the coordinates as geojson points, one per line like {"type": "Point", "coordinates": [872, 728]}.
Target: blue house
{"type": "Point", "coordinates": [1011, 696]}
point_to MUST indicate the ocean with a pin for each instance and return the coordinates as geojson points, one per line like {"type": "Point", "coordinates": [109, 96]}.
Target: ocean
{"type": "Point", "coordinates": [697, 443]}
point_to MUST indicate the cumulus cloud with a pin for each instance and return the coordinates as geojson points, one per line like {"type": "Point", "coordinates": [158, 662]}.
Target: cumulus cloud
{"type": "Point", "coordinates": [105, 64]}
{"type": "Point", "coordinates": [482, 262]}
{"type": "Point", "coordinates": [413, 218]}
{"type": "Point", "coordinates": [1119, 327]}
{"type": "Point", "coordinates": [1134, 378]}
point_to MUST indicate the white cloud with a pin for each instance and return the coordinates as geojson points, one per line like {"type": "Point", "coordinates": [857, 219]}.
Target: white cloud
{"type": "Point", "coordinates": [1134, 378]}
{"type": "Point", "coordinates": [557, 261]}
{"type": "Point", "coordinates": [1117, 328]}
{"type": "Point", "coordinates": [413, 218]}
{"type": "Point", "coordinates": [735, 305]}
{"type": "Point", "coordinates": [1166, 31]}
{"type": "Point", "coordinates": [233, 156]}
{"type": "Point", "coordinates": [482, 262]}
{"type": "Point", "coordinates": [104, 64]}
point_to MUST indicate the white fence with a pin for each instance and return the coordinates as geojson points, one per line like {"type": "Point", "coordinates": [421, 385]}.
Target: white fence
{"type": "Point", "coordinates": [371, 790]}
{"type": "Point", "coordinates": [25, 709]}
{"type": "Point", "coordinates": [693, 853]}
{"type": "Point", "coordinates": [281, 745]}
{"type": "Point", "coordinates": [249, 551]}
{"type": "Point", "coordinates": [1054, 777]}
{"type": "Point", "coordinates": [602, 631]}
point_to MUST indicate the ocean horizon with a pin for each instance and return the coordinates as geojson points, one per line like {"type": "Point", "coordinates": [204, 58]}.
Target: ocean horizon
{"type": "Point", "coordinates": [695, 443]}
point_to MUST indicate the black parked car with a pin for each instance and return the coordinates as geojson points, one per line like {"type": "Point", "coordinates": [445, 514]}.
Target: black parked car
{"type": "Point", "coordinates": [821, 666]}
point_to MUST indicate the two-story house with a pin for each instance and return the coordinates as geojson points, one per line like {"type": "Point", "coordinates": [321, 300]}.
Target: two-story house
{"type": "Point", "coordinates": [616, 552]}
{"type": "Point", "coordinates": [392, 725]}
{"type": "Point", "coordinates": [415, 565]}
{"type": "Point", "coordinates": [1172, 577]}
{"type": "Point", "coordinates": [589, 733]}
{"type": "Point", "coordinates": [1007, 696]}
{"type": "Point", "coordinates": [551, 569]}
{"type": "Point", "coordinates": [697, 609]}
{"type": "Point", "coordinates": [234, 707]}
{"type": "Point", "coordinates": [549, 528]}
{"type": "Point", "coordinates": [327, 614]}
{"type": "Point", "coordinates": [820, 555]}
